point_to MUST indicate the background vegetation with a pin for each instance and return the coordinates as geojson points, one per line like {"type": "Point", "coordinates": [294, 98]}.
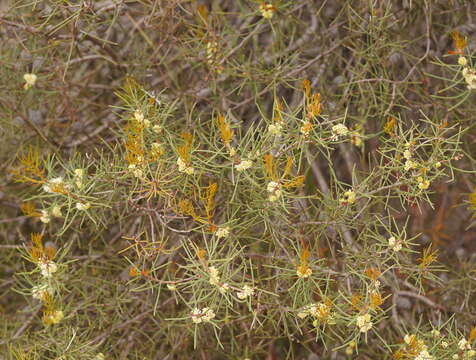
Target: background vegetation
{"type": "Point", "coordinates": [237, 179]}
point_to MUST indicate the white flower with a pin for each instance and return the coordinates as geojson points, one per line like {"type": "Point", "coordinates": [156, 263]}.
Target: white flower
{"type": "Point", "coordinates": [275, 129]}
{"type": "Point", "coordinates": [463, 344]}
{"type": "Point", "coordinates": [53, 185]}
{"type": "Point", "coordinates": [410, 164]}
{"type": "Point", "coordinates": [99, 356]}
{"type": "Point", "coordinates": [139, 115]}
{"type": "Point", "coordinates": [394, 244]}
{"type": "Point", "coordinates": [348, 198]}
{"type": "Point", "coordinates": [435, 333]}
{"type": "Point", "coordinates": [247, 291]}
{"type": "Point", "coordinates": [244, 165]}
{"type": "Point", "coordinates": [274, 189]}
{"type": "Point", "coordinates": [78, 177]}
{"type": "Point", "coordinates": [39, 291]}
{"type": "Point", "coordinates": [438, 164]}
{"type": "Point", "coordinates": [157, 129]}
{"type": "Point", "coordinates": [339, 130]}
{"type": "Point", "coordinates": [462, 61]}
{"type": "Point", "coordinates": [83, 206]}
{"type": "Point", "coordinates": [222, 232]}
{"type": "Point", "coordinates": [214, 276]}
{"type": "Point", "coordinates": [364, 322]}
{"type": "Point", "coordinates": [232, 151]}
{"type": "Point", "coordinates": [171, 287]}
{"type": "Point", "coordinates": [205, 314]}
{"type": "Point", "coordinates": [45, 217]}
{"type": "Point", "coordinates": [407, 154]}
{"type": "Point", "coordinates": [444, 344]}
{"type": "Point", "coordinates": [470, 354]}
{"type": "Point", "coordinates": [48, 268]}
{"type": "Point", "coordinates": [135, 170]}
{"type": "Point", "coordinates": [424, 355]}
{"type": "Point", "coordinates": [183, 167]}
{"type": "Point", "coordinates": [56, 211]}
{"type": "Point", "coordinates": [30, 80]}
{"type": "Point", "coordinates": [223, 288]}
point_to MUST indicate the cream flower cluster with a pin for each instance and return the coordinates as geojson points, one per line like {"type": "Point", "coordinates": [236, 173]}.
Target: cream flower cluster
{"type": "Point", "coordinates": [202, 315]}
{"type": "Point", "coordinates": [215, 280]}
{"type": "Point", "coordinates": [395, 244]}
{"type": "Point", "coordinates": [212, 49]}
{"type": "Point", "coordinates": [222, 232]}
{"type": "Point", "coordinates": [247, 291]}
{"type": "Point", "coordinates": [47, 268]}
{"type": "Point", "coordinates": [139, 116]}
{"type": "Point", "coordinates": [184, 167]}
{"type": "Point", "coordinates": [137, 172]}
{"type": "Point", "coordinates": [267, 10]}
{"type": "Point", "coordinates": [274, 190]}
{"type": "Point", "coordinates": [30, 80]}
{"type": "Point", "coordinates": [339, 130]}
{"type": "Point", "coordinates": [468, 73]}
{"type": "Point", "coordinates": [244, 165]}
{"type": "Point", "coordinates": [40, 291]}
{"type": "Point", "coordinates": [423, 354]}
{"type": "Point", "coordinates": [364, 322]}
{"type": "Point", "coordinates": [321, 312]}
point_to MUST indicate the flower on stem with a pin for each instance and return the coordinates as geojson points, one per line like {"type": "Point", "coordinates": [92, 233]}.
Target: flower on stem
{"type": "Point", "coordinates": [222, 232]}
{"type": "Point", "coordinates": [394, 244]}
{"type": "Point", "coordinates": [202, 315]}
{"type": "Point", "coordinates": [83, 206]}
{"type": "Point", "coordinates": [348, 197]}
{"type": "Point", "coordinates": [247, 291]}
{"type": "Point", "coordinates": [339, 130]}
{"type": "Point", "coordinates": [45, 217]}
{"type": "Point", "coordinates": [30, 80]}
{"type": "Point", "coordinates": [303, 270]}
{"type": "Point", "coordinates": [244, 165]}
{"type": "Point", "coordinates": [267, 10]}
{"type": "Point", "coordinates": [274, 190]}
{"type": "Point", "coordinates": [364, 322]}
{"type": "Point", "coordinates": [423, 183]}
{"type": "Point", "coordinates": [47, 268]}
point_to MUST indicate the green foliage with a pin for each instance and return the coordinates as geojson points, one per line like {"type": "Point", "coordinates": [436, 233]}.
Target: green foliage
{"type": "Point", "coordinates": [239, 180]}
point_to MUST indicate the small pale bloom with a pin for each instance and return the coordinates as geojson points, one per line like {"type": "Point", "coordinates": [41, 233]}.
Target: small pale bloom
{"type": "Point", "coordinates": [462, 61]}
{"type": "Point", "coordinates": [274, 189]}
{"type": "Point", "coordinates": [48, 268]}
{"type": "Point", "coordinates": [99, 356]}
{"type": "Point", "coordinates": [275, 129]}
{"type": "Point", "coordinates": [30, 80]}
{"type": "Point", "coordinates": [435, 333]}
{"type": "Point", "coordinates": [200, 315]}
{"type": "Point", "coordinates": [53, 185]}
{"type": "Point", "coordinates": [407, 154]}
{"type": "Point", "coordinates": [40, 291]}
{"type": "Point", "coordinates": [444, 345]}
{"type": "Point", "coordinates": [246, 292]}
{"type": "Point", "coordinates": [463, 344]}
{"type": "Point", "coordinates": [171, 287]}
{"type": "Point", "coordinates": [157, 129]}
{"type": "Point", "coordinates": [339, 130]}
{"type": "Point", "coordinates": [139, 115]}
{"type": "Point", "coordinates": [214, 276]}
{"type": "Point", "coordinates": [83, 206]}
{"type": "Point", "coordinates": [306, 128]}
{"type": "Point", "coordinates": [222, 232]}
{"type": "Point", "coordinates": [223, 288]}
{"type": "Point", "coordinates": [394, 244]}
{"type": "Point", "coordinates": [244, 165]}
{"type": "Point", "coordinates": [232, 151]}
{"type": "Point", "coordinates": [183, 167]}
{"type": "Point", "coordinates": [410, 164]}
{"type": "Point", "coordinates": [438, 164]}
{"type": "Point", "coordinates": [303, 271]}
{"type": "Point", "coordinates": [45, 217]}
{"type": "Point", "coordinates": [364, 322]}
{"type": "Point", "coordinates": [470, 354]}
{"type": "Point", "coordinates": [424, 355]}
{"type": "Point", "coordinates": [267, 10]}
{"type": "Point", "coordinates": [56, 211]}
{"type": "Point", "coordinates": [423, 184]}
